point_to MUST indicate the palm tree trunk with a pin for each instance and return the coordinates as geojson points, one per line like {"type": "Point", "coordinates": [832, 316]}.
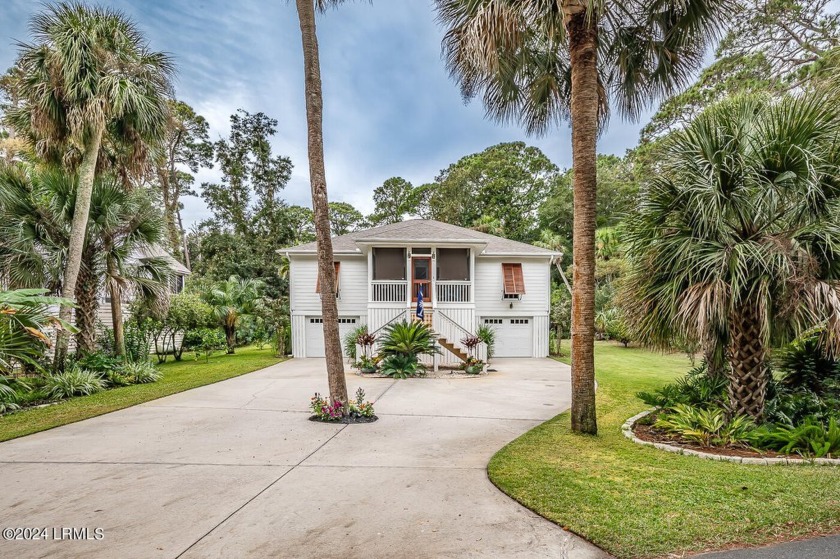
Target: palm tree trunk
{"type": "Point", "coordinates": [230, 339]}
{"type": "Point", "coordinates": [584, 116]}
{"type": "Point", "coordinates": [78, 228]}
{"type": "Point", "coordinates": [748, 375]}
{"type": "Point", "coordinates": [317, 176]}
{"type": "Point", "coordinates": [87, 290]}
{"type": "Point", "coordinates": [116, 310]}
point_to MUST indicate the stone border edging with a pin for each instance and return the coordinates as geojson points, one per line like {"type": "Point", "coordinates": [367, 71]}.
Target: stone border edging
{"type": "Point", "coordinates": [627, 430]}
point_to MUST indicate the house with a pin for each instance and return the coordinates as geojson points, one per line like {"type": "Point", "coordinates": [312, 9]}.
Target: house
{"type": "Point", "coordinates": [466, 278]}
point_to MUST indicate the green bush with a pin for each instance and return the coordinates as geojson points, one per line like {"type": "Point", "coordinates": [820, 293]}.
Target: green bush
{"type": "Point", "coordinates": [401, 365]}
{"type": "Point", "coordinates": [75, 381]}
{"type": "Point", "coordinates": [210, 340]}
{"type": "Point", "coordinates": [8, 397]}
{"type": "Point", "coordinates": [143, 373]}
{"type": "Point", "coordinates": [487, 334]}
{"type": "Point", "coordinates": [810, 438]}
{"type": "Point", "coordinates": [706, 427]}
{"type": "Point", "coordinates": [408, 338]}
{"type": "Point", "coordinates": [696, 389]}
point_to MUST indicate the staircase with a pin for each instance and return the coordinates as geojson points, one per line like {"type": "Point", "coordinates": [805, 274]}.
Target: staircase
{"type": "Point", "coordinates": [453, 349]}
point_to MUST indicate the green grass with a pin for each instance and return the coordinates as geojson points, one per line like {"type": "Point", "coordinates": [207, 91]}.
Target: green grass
{"type": "Point", "coordinates": [177, 377]}
{"type": "Point", "coordinates": [635, 501]}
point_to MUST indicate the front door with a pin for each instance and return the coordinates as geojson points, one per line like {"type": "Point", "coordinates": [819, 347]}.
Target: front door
{"type": "Point", "coordinates": [421, 277]}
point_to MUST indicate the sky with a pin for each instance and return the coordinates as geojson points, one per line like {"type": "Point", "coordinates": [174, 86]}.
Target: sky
{"type": "Point", "coordinates": [390, 108]}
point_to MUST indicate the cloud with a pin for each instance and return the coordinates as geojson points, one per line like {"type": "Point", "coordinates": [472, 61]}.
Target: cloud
{"type": "Point", "coordinates": [390, 109]}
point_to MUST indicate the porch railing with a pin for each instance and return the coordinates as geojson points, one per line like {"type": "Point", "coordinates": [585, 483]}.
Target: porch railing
{"type": "Point", "coordinates": [389, 291]}
{"type": "Point", "coordinates": [453, 291]}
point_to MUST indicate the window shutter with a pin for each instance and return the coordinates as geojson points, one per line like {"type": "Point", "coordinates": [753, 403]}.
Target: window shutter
{"type": "Point", "coordinates": [337, 278]}
{"type": "Point", "coordinates": [514, 282]}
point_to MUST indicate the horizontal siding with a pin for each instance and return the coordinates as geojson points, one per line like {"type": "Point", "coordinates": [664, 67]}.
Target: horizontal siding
{"type": "Point", "coordinates": [353, 285]}
{"type": "Point", "coordinates": [490, 287]}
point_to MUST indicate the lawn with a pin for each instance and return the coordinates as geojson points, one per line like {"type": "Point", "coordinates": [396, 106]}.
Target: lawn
{"type": "Point", "coordinates": [635, 501]}
{"type": "Point", "coordinates": [177, 377]}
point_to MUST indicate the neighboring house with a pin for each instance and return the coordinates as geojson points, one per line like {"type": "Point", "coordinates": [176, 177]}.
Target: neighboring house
{"type": "Point", "coordinates": [467, 278]}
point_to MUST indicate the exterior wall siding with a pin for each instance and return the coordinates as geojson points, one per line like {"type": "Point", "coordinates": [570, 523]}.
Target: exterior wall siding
{"type": "Point", "coordinates": [487, 296]}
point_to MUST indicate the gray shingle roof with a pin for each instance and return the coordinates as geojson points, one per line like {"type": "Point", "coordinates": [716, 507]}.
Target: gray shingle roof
{"type": "Point", "coordinates": [414, 230]}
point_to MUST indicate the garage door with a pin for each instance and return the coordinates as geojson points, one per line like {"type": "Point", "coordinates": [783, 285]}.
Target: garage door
{"type": "Point", "coordinates": [514, 336]}
{"type": "Point", "coordinates": [315, 333]}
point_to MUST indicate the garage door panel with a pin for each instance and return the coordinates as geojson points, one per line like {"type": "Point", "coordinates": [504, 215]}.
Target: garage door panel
{"type": "Point", "coordinates": [315, 333]}
{"type": "Point", "coordinates": [514, 336]}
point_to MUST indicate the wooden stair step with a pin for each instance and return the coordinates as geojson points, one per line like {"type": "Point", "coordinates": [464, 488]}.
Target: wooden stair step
{"type": "Point", "coordinates": [452, 348]}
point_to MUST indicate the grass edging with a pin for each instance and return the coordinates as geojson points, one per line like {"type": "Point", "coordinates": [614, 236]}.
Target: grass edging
{"type": "Point", "coordinates": [627, 429]}
{"type": "Point", "coordinates": [635, 501]}
{"type": "Point", "coordinates": [179, 376]}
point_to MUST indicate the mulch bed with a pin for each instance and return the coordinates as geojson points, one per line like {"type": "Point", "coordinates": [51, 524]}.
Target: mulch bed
{"type": "Point", "coordinates": [652, 434]}
{"type": "Point", "coordinates": [442, 373]}
{"type": "Point", "coordinates": [345, 420]}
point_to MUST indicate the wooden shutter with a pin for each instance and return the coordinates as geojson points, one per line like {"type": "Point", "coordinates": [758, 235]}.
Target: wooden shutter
{"type": "Point", "coordinates": [337, 278]}
{"type": "Point", "coordinates": [514, 282]}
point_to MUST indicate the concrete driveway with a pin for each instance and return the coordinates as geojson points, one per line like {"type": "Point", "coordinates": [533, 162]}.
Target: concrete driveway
{"type": "Point", "coordinates": [235, 470]}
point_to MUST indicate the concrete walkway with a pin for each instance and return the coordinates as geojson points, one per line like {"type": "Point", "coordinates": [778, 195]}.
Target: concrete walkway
{"type": "Point", "coordinates": [235, 470]}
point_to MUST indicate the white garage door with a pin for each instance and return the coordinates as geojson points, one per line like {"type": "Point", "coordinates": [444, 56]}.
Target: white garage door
{"type": "Point", "coordinates": [514, 336]}
{"type": "Point", "coordinates": [315, 333]}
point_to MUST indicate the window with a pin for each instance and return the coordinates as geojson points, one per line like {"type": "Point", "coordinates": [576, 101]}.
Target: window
{"type": "Point", "coordinates": [514, 283]}
{"type": "Point", "coordinates": [337, 277]}
{"type": "Point", "coordinates": [316, 321]}
{"type": "Point", "coordinates": [421, 250]}
{"type": "Point", "coordinates": [519, 321]}
{"type": "Point", "coordinates": [389, 264]}
{"type": "Point", "coordinates": [176, 284]}
{"type": "Point", "coordinates": [453, 264]}
{"type": "Point", "coordinates": [493, 321]}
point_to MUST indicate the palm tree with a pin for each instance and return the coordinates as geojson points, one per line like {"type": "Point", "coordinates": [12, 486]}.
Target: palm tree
{"type": "Point", "coordinates": [231, 300]}
{"type": "Point", "coordinates": [541, 61]}
{"type": "Point", "coordinates": [320, 203]}
{"type": "Point", "coordinates": [88, 75]}
{"type": "Point", "coordinates": [36, 213]}
{"type": "Point", "coordinates": [738, 239]}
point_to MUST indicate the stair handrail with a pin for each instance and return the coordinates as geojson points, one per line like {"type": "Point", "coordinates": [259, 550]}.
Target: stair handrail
{"type": "Point", "coordinates": [399, 315]}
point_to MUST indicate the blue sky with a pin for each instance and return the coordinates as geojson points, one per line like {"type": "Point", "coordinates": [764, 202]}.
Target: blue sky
{"type": "Point", "coordinates": [390, 109]}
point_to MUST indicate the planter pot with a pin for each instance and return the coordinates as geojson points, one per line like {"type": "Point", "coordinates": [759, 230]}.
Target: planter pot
{"type": "Point", "coordinates": [368, 370]}
{"type": "Point", "coordinates": [473, 369]}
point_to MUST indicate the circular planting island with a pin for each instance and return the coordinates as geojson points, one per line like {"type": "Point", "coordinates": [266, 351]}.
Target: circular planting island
{"type": "Point", "coordinates": [640, 430]}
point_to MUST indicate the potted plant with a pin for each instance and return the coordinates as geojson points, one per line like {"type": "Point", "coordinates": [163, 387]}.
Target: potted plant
{"type": "Point", "coordinates": [367, 363]}
{"type": "Point", "coordinates": [472, 365]}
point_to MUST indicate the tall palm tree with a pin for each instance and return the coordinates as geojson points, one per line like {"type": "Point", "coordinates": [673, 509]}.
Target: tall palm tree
{"type": "Point", "coordinates": [36, 214]}
{"type": "Point", "coordinates": [320, 203]}
{"type": "Point", "coordinates": [541, 61]}
{"type": "Point", "coordinates": [89, 74]}
{"type": "Point", "coordinates": [231, 300]}
{"type": "Point", "coordinates": [739, 238]}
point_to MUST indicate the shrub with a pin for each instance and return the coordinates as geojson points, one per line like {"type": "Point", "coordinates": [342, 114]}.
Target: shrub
{"type": "Point", "coordinates": [697, 389]}
{"type": "Point", "coordinates": [351, 339]}
{"type": "Point", "coordinates": [143, 373]}
{"type": "Point", "coordinates": [210, 340]}
{"type": "Point", "coordinates": [706, 427]}
{"type": "Point", "coordinates": [75, 381]}
{"type": "Point", "coordinates": [810, 438]}
{"type": "Point", "coordinates": [99, 362]}
{"type": "Point", "coordinates": [487, 335]}
{"type": "Point", "coordinates": [8, 397]}
{"type": "Point", "coordinates": [804, 365]}
{"type": "Point", "coordinates": [408, 338]}
{"type": "Point", "coordinates": [401, 365]}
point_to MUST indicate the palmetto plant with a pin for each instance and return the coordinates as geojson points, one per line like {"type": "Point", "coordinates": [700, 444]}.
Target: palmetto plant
{"type": "Point", "coordinates": [231, 300]}
{"type": "Point", "coordinates": [737, 242]}
{"type": "Point", "coordinates": [87, 79]}
{"type": "Point", "coordinates": [25, 317]}
{"type": "Point", "coordinates": [37, 206]}
{"type": "Point", "coordinates": [541, 61]}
